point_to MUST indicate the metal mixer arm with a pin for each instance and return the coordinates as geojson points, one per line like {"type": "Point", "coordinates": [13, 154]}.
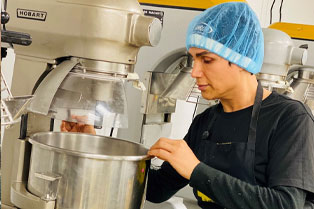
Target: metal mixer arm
{"type": "Point", "coordinates": [23, 199]}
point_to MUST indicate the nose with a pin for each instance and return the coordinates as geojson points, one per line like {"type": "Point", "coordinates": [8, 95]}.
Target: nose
{"type": "Point", "coordinates": [197, 70]}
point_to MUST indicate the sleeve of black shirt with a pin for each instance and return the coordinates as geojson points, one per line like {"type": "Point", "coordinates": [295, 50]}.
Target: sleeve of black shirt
{"type": "Point", "coordinates": [291, 153]}
{"type": "Point", "coordinates": [163, 183]}
{"type": "Point", "coordinates": [231, 192]}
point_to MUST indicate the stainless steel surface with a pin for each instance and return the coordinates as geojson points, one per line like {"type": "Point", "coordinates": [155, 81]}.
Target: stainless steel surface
{"type": "Point", "coordinates": [20, 155]}
{"type": "Point", "coordinates": [13, 107]}
{"type": "Point", "coordinates": [70, 29]}
{"type": "Point", "coordinates": [171, 71]}
{"type": "Point", "coordinates": [3, 206]}
{"type": "Point", "coordinates": [51, 185]}
{"type": "Point", "coordinates": [105, 67]}
{"type": "Point", "coordinates": [280, 54]}
{"type": "Point", "coordinates": [306, 72]}
{"type": "Point", "coordinates": [45, 92]}
{"type": "Point", "coordinates": [160, 82]}
{"type": "Point", "coordinates": [143, 35]}
{"type": "Point", "coordinates": [274, 82]}
{"type": "Point", "coordinates": [169, 63]}
{"type": "Point", "coordinates": [5, 86]}
{"type": "Point", "coordinates": [155, 29]}
{"type": "Point", "coordinates": [6, 116]}
{"type": "Point", "coordinates": [96, 172]}
{"type": "Point", "coordinates": [302, 83]}
{"type": "Point", "coordinates": [181, 86]}
{"type": "Point", "coordinates": [15, 155]}
{"type": "Point", "coordinates": [152, 103]}
{"type": "Point", "coordinates": [93, 90]}
{"type": "Point", "coordinates": [22, 199]}
{"type": "Point", "coordinates": [110, 32]}
{"type": "Point", "coordinates": [173, 203]}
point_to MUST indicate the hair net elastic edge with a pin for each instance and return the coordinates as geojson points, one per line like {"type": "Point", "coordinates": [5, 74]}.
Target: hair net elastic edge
{"type": "Point", "coordinates": [199, 41]}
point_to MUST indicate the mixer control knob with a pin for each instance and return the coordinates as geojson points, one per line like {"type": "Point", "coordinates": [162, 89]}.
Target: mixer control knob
{"type": "Point", "coordinates": [5, 17]}
{"type": "Point", "coordinates": [145, 31]}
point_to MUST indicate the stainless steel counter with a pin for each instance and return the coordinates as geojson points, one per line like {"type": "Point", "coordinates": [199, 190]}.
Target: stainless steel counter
{"type": "Point", "coordinates": [173, 203]}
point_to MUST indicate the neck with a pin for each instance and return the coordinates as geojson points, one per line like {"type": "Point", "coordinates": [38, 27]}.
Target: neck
{"type": "Point", "coordinates": [242, 95]}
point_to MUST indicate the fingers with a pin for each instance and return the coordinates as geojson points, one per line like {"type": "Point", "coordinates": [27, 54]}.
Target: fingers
{"type": "Point", "coordinates": [89, 129]}
{"type": "Point", "coordinates": [177, 153]}
{"type": "Point", "coordinates": [80, 126]}
{"type": "Point", "coordinates": [166, 149]}
{"type": "Point", "coordinates": [77, 127]}
{"type": "Point", "coordinates": [67, 126]}
{"type": "Point", "coordinates": [160, 153]}
{"type": "Point", "coordinates": [70, 124]}
{"type": "Point", "coordinates": [163, 146]}
{"type": "Point", "coordinates": [169, 145]}
{"type": "Point", "coordinates": [63, 126]}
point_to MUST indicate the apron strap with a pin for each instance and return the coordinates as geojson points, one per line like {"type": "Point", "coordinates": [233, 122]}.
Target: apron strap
{"type": "Point", "coordinates": [255, 113]}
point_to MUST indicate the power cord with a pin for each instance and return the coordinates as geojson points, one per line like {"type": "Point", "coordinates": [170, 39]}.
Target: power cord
{"type": "Point", "coordinates": [280, 10]}
{"type": "Point", "coordinates": [271, 12]}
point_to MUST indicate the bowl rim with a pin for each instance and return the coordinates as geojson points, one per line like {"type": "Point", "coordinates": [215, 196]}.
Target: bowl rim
{"type": "Point", "coordinates": [86, 154]}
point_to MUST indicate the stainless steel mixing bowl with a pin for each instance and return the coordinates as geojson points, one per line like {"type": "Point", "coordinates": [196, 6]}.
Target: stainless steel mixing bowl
{"type": "Point", "coordinates": [83, 171]}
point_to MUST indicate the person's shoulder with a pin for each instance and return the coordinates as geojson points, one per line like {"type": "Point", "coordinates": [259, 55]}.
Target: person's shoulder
{"type": "Point", "coordinates": [281, 103]}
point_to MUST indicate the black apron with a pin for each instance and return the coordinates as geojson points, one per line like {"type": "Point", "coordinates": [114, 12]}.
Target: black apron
{"type": "Point", "coordinates": [234, 158]}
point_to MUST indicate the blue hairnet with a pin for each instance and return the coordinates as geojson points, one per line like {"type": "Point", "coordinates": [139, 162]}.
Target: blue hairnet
{"type": "Point", "coordinates": [232, 31]}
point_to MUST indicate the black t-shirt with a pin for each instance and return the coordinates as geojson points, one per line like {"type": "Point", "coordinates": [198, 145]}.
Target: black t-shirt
{"type": "Point", "coordinates": [284, 151]}
{"type": "Point", "coordinates": [284, 157]}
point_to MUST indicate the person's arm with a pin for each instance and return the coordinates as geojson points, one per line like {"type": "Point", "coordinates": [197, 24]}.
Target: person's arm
{"type": "Point", "coordinates": [289, 171]}
{"type": "Point", "coordinates": [287, 167]}
{"type": "Point", "coordinates": [166, 181]}
{"type": "Point", "coordinates": [163, 183]}
{"type": "Point", "coordinates": [233, 193]}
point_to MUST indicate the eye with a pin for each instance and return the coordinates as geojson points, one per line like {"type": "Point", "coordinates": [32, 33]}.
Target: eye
{"type": "Point", "coordinates": [207, 60]}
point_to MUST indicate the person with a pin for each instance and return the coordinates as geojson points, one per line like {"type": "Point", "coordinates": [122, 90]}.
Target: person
{"type": "Point", "coordinates": [255, 149]}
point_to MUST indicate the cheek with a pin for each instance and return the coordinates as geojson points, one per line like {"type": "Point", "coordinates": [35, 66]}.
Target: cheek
{"type": "Point", "coordinates": [220, 78]}
{"type": "Point", "coordinates": [214, 74]}
{"type": "Point", "coordinates": [232, 76]}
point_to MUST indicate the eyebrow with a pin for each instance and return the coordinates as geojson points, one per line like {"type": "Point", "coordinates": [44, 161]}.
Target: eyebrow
{"type": "Point", "coordinates": [202, 53]}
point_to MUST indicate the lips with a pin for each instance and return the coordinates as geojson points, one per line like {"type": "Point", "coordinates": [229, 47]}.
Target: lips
{"type": "Point", "coordinates": [202, 87]}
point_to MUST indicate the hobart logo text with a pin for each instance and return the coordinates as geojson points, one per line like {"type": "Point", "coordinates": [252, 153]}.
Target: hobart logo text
{"type": "Point", "coordinates": [31, 14]}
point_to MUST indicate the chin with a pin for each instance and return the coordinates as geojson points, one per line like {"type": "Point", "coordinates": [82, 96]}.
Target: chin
{"type": "Point", "coordinates": [208, 96]}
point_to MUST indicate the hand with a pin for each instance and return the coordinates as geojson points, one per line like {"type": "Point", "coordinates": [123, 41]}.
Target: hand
{"type": "Point", "coordinates": [80, 126]}
{"type": "Point", "coordinates": [177, 153]}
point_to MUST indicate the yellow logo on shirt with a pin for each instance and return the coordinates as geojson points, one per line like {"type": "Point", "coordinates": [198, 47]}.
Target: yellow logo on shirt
{"type": "Point", "coordinates": [204, 197]}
